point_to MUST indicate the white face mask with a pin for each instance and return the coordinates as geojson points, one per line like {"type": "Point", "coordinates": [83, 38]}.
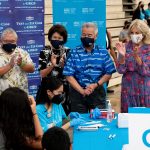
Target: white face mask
{"type": "Point", "coordinates": [136, 38]}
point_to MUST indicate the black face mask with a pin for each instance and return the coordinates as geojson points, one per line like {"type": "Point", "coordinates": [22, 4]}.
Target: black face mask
{"type": "Point", "coordinates": [87, 42]}
{"type": "Point", "coordinates": [9, 48]}
{"type": "Point", "coordinates": [57, 99]}
{"type": "Point", "coordinates": [57, 44]}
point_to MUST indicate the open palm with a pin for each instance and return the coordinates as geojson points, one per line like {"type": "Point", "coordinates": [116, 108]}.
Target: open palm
{"type": "Point", "coordinates": [121, 48]}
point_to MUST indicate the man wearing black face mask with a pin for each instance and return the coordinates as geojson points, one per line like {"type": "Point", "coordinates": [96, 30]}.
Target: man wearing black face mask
{"type": "Point", "coordinates": [52, 59]}
{"type": "Point", "coordinates": [87, 68]}
{"type": "Point", "coordinates": [15, 63]}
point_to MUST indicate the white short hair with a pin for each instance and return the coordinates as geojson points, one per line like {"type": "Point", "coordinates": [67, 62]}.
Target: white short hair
{"type": "Point", "coordinates": [8, 31]}
{"type": "Point", "coordinates": [90, 24]}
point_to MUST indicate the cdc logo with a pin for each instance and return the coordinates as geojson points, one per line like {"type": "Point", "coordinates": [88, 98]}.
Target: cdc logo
{"type": "Point", "coordinates": [145, 138]}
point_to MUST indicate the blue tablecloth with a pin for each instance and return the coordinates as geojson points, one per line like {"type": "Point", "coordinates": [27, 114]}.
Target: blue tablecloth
{"type": "Point", "coordinates": [99, 140]}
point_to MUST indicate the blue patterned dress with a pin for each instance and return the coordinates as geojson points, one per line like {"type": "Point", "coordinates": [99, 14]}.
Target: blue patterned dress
{"type": "Point", "coordinates": [135, 90]}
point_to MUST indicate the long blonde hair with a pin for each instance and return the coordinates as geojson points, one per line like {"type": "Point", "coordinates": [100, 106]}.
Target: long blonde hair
{"type": "Point", "coordinates": [143, 28]}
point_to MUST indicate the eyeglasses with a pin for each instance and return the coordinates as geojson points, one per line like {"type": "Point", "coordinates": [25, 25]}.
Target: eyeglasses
{"type": "Point", "coordinates": [87, 35]}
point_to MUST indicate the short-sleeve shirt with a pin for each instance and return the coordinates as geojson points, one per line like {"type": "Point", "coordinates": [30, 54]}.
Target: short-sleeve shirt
{"type": "Point", "coordinates": [147, 13]}
{"type": "Point", "coordinates": [55, 117]}
{"type": "Point", "coordinates": [15, 77]}
{"type": "Point", "coordinates": [88, 67]}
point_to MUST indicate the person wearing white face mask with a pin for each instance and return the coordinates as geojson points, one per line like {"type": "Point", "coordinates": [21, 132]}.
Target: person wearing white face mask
{"type": "Point", "coordinates": [134, 64]}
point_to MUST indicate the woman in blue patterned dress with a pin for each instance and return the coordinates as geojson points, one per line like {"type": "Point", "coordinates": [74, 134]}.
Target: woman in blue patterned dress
{"type": "Point", "coordinates": [134, 64]}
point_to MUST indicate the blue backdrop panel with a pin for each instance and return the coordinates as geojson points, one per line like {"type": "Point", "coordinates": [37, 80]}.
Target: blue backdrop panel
{"type": "Point", "coordinates": [28, 4]}
{"type": "Point", "coordinates": [32, 43]}
{"type": "Point", "coordinates": [74, 13]}
{"type": "Point", "coordinates": [33, 85]}
{"type": "Point", "coordinates": [5, 20]}
{"type": "Point", "coordinates": [5, 4]}
{"type": "Point", "coordinates": [28, 22]}
{"type": "Point", "coordinates": [36, 73]}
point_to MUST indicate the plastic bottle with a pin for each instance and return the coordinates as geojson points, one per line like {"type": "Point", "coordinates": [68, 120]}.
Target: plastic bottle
{"type": "Point", "coordinates": [109, 112]}
{"type": "Point", "coordinates": [91, 113]}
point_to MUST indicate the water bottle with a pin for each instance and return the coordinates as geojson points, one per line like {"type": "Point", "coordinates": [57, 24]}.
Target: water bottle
{"type": "Point", "coordinates": [109, 112]}
{"type": "Point", "coordinates": [91, 113]}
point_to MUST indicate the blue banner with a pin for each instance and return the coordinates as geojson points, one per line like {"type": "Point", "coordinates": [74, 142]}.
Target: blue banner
{"type": "Point", "coordinates": [32, 43]}
{"type": "Point", "coordinates": [5, 4]}
{"type": "Point", "coordinates": [26, 17]}
{"type": "Point", "coordinates": [29, 22]}
{"type": "Point", "coordinates": [36, 73]}
{"type": "Point", "coordinates": [28, 4]}
{"type": "Point", "coordinates": [5, 20]}
{"type": "Point", "coordinates": [33, 86]}
{"type": "Point", "coordinates": [74, 13]}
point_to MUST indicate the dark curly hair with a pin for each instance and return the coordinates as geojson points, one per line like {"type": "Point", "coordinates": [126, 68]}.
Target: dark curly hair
{"type": "Point", "coordinates": [16, 119]}
{"type": "Point", "coordinates": [58, 29]}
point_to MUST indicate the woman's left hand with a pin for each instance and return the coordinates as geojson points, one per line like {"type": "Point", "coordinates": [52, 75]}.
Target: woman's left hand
{"type": "Point", "coordinates": [62, 61]}
{"type": "Point", "coordinates": [32, 104]}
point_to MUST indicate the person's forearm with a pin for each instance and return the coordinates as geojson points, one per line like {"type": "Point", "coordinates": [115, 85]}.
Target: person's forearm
{"type": "Point", "coordinates": [112, 53]}
{"type": "Point", "coordinates": [104, 79]}
{"type": "Point", "coordinates": [75, 84]}
{"type": "Point", "coordinates": [5, 69]}
{"type": "Point", "coordinates": [29, 68]}
{"type": "Point", "coordinates": [66, 126]}
{"type": "Point", "coordinates": [121, 59]}
{"type": "Point", "coordinates": [35, 144]}
{"type": "Point", "coordinates": [37, 125]}
{"type": "Point", "coordinates": [46, 71]}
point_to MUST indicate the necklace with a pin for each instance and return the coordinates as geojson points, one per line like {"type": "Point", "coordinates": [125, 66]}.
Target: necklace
{"type": "Point", "coordinates": [49, 114]}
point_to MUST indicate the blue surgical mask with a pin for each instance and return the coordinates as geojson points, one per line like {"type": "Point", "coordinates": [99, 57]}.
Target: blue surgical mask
{"type": "Point", "coordinates": [87, 42]}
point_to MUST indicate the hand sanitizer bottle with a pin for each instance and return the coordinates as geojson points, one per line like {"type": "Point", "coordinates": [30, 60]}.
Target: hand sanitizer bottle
{"type": "Point", "coordinates": [109, 112]}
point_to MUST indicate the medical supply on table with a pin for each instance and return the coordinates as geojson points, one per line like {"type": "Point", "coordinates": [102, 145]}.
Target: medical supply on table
{"type": "Point", "coordinates": [87, 128]}
{"type": "Point", "coordinates": [123, 120]}
{"type": "Point", "coordinates": [102, 114]}
{"type": "Point", "coordinates": [111, 136]}
{"type": "Point", "coordinates": [109, 112]}
{"type": "Point", "coordinates": [91, 113]}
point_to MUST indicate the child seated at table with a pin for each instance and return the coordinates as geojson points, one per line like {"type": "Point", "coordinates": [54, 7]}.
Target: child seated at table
{"type": "Point", "coordinates": [56, 138]}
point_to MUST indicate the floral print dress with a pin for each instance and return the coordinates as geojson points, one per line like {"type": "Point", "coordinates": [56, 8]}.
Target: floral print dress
{"type": "Point", "coordinates": [135, 90]}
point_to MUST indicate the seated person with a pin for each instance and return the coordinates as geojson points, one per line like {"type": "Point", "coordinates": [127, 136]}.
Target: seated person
{"type": "Point", "coordinates": [49, 108]}
{"type": "Point", "coordinates": [19, 124]}
{"type": "Point", "coordinates": [56, 138]}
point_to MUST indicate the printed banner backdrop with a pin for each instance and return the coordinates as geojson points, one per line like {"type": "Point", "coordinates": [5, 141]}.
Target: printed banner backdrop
{"type": "Point", "coordinates": [29, 4]}
{"type": "Point", "coordinates": [28, 22]}
{"type": "Point", "coordinates": [5, 20]}
{"type": "Point", "coordinates": [32, 43]}
{"type": "Point", "coordinates": [5, 4]}
{"type": "Point", "coordinates": [76, 12]}
{"type": "Point", "coordinates": [27, 18]}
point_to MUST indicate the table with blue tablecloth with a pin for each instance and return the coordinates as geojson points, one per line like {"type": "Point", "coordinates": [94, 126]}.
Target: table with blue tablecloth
{"type": "Point", "coordinates": [99, 139]}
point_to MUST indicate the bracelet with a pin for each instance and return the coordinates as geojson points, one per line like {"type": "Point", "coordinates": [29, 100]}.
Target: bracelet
{"type": "Point", "coordinates": [34, 114]}
{"type": "Point", "coordinates": [22, 64]}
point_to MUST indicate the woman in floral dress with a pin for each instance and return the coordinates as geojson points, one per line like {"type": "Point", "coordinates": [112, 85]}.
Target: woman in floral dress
{"type": "Point", "coordinates": [134, 64]}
